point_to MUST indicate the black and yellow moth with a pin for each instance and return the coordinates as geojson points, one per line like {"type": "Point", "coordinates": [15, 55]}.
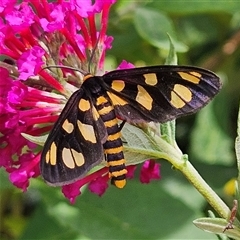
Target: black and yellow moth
{"type": "Point", "coordinates": [87, 130]}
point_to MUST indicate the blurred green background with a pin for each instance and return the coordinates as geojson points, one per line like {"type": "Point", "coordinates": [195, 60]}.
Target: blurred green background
{"type": "Point", "coordinates": [205, 34]}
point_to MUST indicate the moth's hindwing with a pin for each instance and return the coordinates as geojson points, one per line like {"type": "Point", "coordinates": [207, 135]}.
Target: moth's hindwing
{"type": "Point", "coordinates": [74, 145]}
{"type": "Point", "coordinates": [160, 93]}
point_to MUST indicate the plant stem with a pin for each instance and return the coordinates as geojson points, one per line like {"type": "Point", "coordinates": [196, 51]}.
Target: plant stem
{"type": "Point", "coordinates": [200, 184]}
{"type": "Point", "coordinates": [176, 158]}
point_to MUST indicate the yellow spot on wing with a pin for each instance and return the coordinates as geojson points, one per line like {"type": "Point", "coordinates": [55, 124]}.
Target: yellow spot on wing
{"type": "Point", "coordinates": [87, 131]}
{"type": "Point", "coordinates": [180, 95]}
{"type": "Point", "coordinates": [53, 153]}
{"type": "Point", "coordinates": [101, 100]}
{"type": "Point", "coordinates": [150, 79]}
{"type": "Point", "coordinates": [47, 157]}
{"type": "Point", "coordinates": [116, 100]}
{"type": "Point", "coordinates": [193, 77]}
{"type": "Point", "coordinates": [197, 74]}
{"type": "Point", "coordinates": [118, 85]}
{"type": "Point", "coordinates": [79, 158]}
{"type": "Point", "coordinates": [144, 98]}
{"type": "Point", "coordinates": [176, 101]}
{"type": "Point", "coordinates": [67, 126]}
{"type": "Point", "coordinates": [71, 158]}
{"type": "Point", "coordinates": [84, 105]}
{"type": "Point", "coordinates": [68, 158]}
{"type": "Point", "coordinates": [95, 113]}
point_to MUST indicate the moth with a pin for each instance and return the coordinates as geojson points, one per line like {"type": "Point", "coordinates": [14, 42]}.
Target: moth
{"type": "Point", "coordinates": [87, 130]}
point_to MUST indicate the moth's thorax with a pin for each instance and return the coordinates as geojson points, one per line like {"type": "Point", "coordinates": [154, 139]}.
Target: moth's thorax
{"type": "Point", "coordinates": [87, 77]}
{"type": "Point", "coordinates": [93, 85]}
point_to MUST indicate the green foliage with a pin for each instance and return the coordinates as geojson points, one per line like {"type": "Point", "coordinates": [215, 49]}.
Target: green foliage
{"type": "Point", "coordinates": [145, 20]}
{"type": "Point", "coordinates": [163, 209]}
{"type": "Point", "coordinates": [215, 152]}
{"type": "Point", "coordinates": [136, 212]}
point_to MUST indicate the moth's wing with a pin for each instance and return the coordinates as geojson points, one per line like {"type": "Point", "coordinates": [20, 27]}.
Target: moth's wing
{"type": "Point", "coordinates": [74, 145]}
{"type": "Point", "coordinates": [160, 93]}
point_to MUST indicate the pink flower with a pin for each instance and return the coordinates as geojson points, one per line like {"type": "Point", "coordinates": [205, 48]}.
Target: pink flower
{"type": "Point", "coordinates": [97, 184]}
{"type": "Point", "coordinates": [20, 17]}
{"type": "Point", "coordinates": [35, 34]}
{"type": "Point", "coordinates": [150, 170]}
{"type": "Point", "coordinates": [29, 168]}
{"type": "Point", "coordinates": [32, 57]}
{"type": "Point", "coordinates": [131, 169]}
{"type": "Point", "coordinates": [125, 65]}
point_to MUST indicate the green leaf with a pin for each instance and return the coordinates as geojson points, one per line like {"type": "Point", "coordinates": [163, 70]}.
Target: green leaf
{"type": "Point", "coordinates": [40, 140]}
{"type": "Point", "coordinates": [217, 226]}
{"type": "Point", "coordinates": [172, 56]}
{"type": "Point", "coordinates": [146, 21]}
{"type": "Point", "coordinates": [208, 142]}
{"type": "Point", "coordinates": [138, 143]}
{"type": "Point", "coordinates": [44, 226]}
{"type": "Point", "coordinates": [168, 130]}
{"type": "Point", "coordinates": [195, 7]}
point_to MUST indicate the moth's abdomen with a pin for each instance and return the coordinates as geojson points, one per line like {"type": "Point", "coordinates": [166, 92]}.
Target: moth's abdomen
{"type": "Point", "coordinates": [113, 147]}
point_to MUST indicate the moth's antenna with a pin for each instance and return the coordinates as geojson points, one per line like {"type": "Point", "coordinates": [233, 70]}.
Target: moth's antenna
{"type": "Point", "coordinates": [66, 67]}
{"type": "Point", "coordinates": [92, 54]}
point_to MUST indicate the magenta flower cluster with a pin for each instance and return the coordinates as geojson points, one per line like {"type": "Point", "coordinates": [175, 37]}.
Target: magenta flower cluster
{"type": "Point", "coordinates": [33, 35]}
